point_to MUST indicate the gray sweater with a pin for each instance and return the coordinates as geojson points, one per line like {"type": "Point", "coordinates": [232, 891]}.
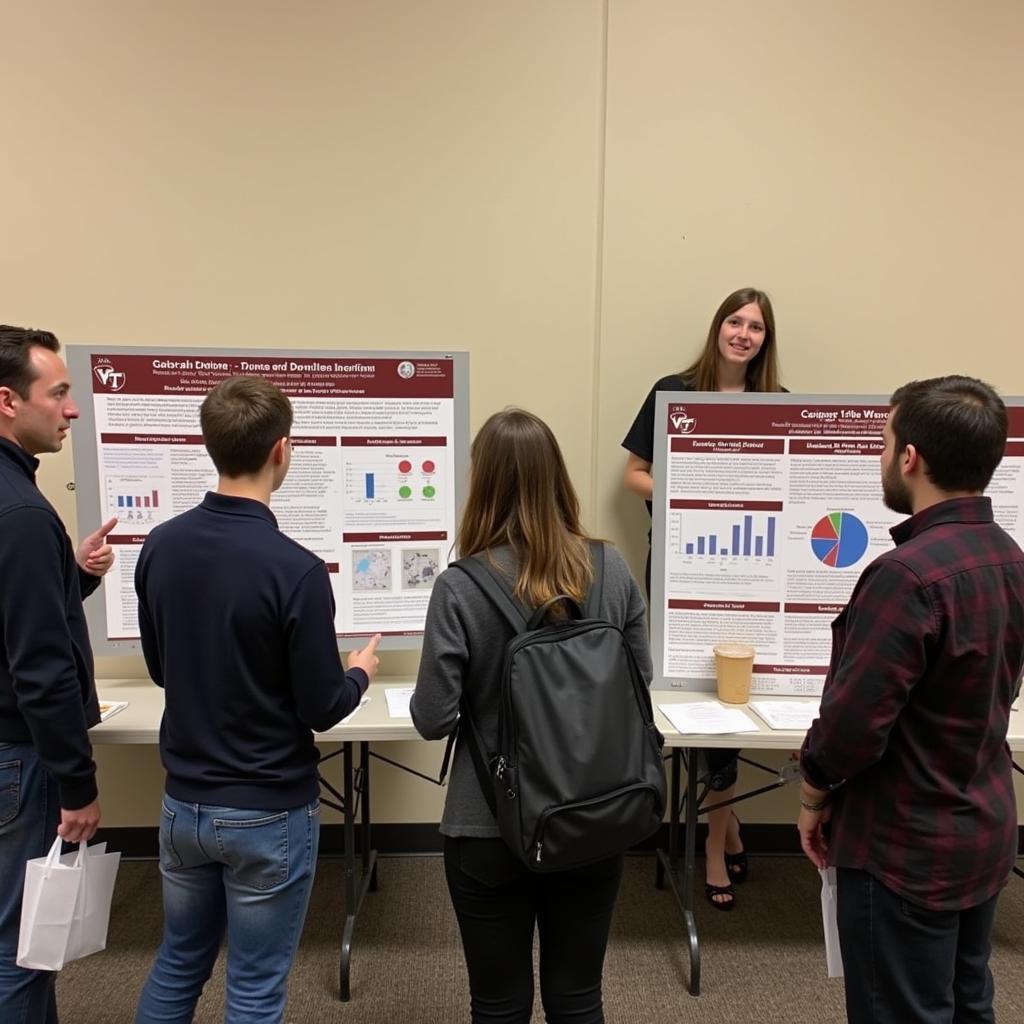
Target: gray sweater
{"type": "Point", "coordinates": [463, 644]}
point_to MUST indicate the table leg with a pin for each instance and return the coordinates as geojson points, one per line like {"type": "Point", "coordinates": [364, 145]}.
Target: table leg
{"type": "Point", "coordinates": [369, 855]}
{"type": "Point", "coordinates": [668, 864]}
{"type": "Point", "coordinates": [689, 870]}
{"type": "Point", "coordinates": [665, 865]}
{"type": "Point", "coordinates": [350, 873]}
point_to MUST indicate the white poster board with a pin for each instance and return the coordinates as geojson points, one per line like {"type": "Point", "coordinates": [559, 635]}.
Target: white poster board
{"type": "Point", "coordinates": [379, 452]}
{"type": "Point", "coordinates": [767, 508]}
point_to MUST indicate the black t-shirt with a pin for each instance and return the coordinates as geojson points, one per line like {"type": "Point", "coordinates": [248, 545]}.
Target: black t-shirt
{"type": "Point", "coordinates": [640, 438]}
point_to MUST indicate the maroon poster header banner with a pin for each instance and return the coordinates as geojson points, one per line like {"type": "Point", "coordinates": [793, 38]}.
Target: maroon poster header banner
{"type": "Point", "coordinates": [788, 419]}
{"type": "Point", "coordinates": [393, 442]}
{"type": "Point", "coordinates": [738, 506]}
{"type": "Point", "coordinates": [816, 420]}
{"type": "Point", "coordinates": [685, 604]}
{"type": "Point", "coordinates": [730, 445]}
{"type": "Point", "coordinates": [832, 447]}
{"type": "Point", "coordinates": [151, 438]}
{"type": "Point", "coordinates": [314, 442]}
{"type": "Point", "coordinates": [325, 377]}
{"type": "Point", "coordinates": [371, 538]}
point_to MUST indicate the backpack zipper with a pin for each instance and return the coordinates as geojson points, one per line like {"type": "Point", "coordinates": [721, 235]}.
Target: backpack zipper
{"type": "Point", "coordinates": [500, 769]}
{"type": "Point", "coordinates": [538, 845]}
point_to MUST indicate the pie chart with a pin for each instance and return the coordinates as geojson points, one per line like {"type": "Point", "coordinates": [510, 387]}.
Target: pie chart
{"type": "Point", "coordinates": [839, 540]}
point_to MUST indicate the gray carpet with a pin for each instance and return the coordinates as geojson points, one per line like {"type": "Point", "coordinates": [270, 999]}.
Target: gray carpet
{"type": "Point", "coordinates": [763, 962]}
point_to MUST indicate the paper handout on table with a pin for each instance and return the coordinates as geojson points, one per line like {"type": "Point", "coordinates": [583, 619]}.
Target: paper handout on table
{"type": "Point", "coordinates": [398, 701]}
{"type": "Point", "coordinates": [354, 711]}
{"type": "Point", "coordinates": [833, 956]}
{"type": "Point", "coordinates": [786, 714]}
{"type": "Point", "coordinates": [111, 707]}
{"type": "Point", "coordinates": [707, 718]}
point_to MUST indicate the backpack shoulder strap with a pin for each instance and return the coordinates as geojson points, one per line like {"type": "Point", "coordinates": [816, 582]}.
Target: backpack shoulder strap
{"type": "Point", "coordinates": [497, 590]}
{"type": "Point", "coordinates": [593, 607]}
{"type": "Point", "coordinates": [465, 730]}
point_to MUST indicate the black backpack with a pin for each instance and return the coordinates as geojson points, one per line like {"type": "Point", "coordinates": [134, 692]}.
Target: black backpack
{"type": "Point", "coordinates": [578, 774]}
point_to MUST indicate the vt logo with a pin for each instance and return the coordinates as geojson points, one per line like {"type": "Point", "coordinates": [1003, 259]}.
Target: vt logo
{"type": "Point", "coordinates": [108, 377]}
{"type": "Point", "coordinates": [681, 423]}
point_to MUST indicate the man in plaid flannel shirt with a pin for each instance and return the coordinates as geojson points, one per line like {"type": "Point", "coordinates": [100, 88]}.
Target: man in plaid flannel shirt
{"type": "Point", "coordinates": [907, 785]}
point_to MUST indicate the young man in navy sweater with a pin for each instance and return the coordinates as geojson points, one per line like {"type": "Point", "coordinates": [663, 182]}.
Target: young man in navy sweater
{"type": "Point", "coordinates": [47, 693]}
{"type": "Point", "coordinates": [237, 625]}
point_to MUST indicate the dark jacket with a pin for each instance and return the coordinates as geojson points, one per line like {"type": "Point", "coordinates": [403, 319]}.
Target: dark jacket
{"type": "Point", "coordinates": [47, 690]}
{"type": "Point", "coordinates": [237, 626]}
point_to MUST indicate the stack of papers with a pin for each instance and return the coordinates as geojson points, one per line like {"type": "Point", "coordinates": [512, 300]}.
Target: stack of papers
{"type": "Point", "coordinates": [707, 718]}
{"type": "Point", "coordinates": [111, 707]}
{"type": "Point", "coordinates": [794, 715]}
{"type": "Point", "coordinates": [398, 701]}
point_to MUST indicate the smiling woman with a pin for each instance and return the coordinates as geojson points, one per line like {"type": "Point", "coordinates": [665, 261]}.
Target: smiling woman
{"type": "Point", "coordinates": [739, 354]}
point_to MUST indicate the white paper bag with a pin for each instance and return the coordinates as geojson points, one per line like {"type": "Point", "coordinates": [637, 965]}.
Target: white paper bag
{"type": "Point", "coordinates": [833, 956]}
{"type": "Point", "coordinates": [65, 907]}
{"type": "Point", "coordinates": [92, 910]}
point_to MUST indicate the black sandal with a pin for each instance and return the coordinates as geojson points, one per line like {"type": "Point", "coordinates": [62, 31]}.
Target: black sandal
{"type": "Point", "coordinates": [737, 866]}
{"type": "Point", "coordinates": [711, 891]}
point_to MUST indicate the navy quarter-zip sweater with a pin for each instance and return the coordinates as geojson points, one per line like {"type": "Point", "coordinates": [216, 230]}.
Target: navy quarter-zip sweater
{"type": "Point", "coordinates": [237, 626]}
{"type": "Point", "coordinates": [47, 691]}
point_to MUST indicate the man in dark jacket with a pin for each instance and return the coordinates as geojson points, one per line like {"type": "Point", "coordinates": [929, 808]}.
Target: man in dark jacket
{"type": "Point", "coordinates": [47, 693]}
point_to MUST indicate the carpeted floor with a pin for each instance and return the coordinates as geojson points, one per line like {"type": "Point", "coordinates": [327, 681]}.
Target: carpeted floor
{"type": "Point", "coordinates": [763, 962]}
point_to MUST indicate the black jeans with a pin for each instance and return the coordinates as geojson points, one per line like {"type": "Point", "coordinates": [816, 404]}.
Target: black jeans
{"type": "Point", "coordinates": [907, 965]}
{"type": "Point", "coordinates": [498, 902]}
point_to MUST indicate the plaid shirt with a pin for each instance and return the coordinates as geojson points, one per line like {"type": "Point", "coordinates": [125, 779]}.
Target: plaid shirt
{"type": "Point", "coordinates": [926, 660]}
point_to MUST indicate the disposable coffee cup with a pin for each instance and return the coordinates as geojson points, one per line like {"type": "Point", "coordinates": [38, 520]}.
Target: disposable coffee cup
{"type": "Point", "coordinates": [734, 664]}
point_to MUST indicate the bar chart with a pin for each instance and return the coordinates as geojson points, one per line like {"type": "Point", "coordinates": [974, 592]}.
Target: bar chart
{"type": "Point", "coordinates": [746, 536]}
{"type": "Point", "coordinates": [151, 500]}
{"type": "Point", "coordinates": [134, 499]}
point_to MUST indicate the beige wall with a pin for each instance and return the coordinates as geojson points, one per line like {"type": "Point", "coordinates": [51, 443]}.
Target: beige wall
{"type": "Point", "coordinates": [564, 188]}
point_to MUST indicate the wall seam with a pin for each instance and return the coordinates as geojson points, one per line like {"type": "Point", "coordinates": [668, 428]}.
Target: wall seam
{"type": "Point", "coordinates": [602, 138]}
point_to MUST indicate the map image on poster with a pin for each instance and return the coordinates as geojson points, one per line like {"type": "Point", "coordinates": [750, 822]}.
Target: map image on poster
{"type": "Point", "coordinates": [420, 569]}
{"type": "Point", "coordinates": [371, 570]}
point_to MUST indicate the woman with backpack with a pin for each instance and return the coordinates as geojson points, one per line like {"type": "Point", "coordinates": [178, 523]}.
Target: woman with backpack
{"type": "Point", "coordinates": [739, 355]}
{"type": "Point", "coordinates": [521, 518]}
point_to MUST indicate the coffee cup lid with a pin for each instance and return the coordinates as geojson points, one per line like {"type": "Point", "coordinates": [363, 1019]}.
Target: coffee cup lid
{"type": "Point", "coordinates": [734, 650]}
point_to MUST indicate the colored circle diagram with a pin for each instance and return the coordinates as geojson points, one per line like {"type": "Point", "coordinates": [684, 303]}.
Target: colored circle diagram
{"type": "Point", "coordinates": [839, 540]}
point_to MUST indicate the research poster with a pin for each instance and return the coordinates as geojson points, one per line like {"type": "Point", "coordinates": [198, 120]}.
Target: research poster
{"type": "Point", "coordinates": [767, 509]}
{"type": "Point", "coordinates": [373, 488]}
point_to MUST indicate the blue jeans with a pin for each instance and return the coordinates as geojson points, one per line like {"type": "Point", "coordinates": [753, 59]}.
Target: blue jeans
{"type": "Point", "coordinates": [907, 965]}
{"type": "Point", "coordinates": [29, 815]}
{"type": "Point", "coordinates": [248, 871]}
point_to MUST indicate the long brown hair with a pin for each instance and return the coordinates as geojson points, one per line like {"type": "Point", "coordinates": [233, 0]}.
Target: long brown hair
{"type": "Point", "coordinates": [520, 494]}
{"type": "Point", "coordinates": [763, 371]}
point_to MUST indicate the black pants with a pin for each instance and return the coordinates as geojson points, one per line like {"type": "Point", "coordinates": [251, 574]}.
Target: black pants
{"type": "Point", "coordinates": [498, 902]}
{"type": "Point", "coordinates": [907, 965]}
